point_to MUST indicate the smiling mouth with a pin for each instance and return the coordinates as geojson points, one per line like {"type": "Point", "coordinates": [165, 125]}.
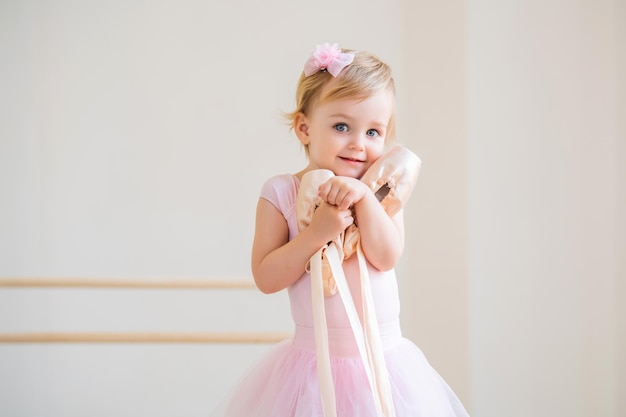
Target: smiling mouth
{"type": "Point", "coordinates": [351, 160]}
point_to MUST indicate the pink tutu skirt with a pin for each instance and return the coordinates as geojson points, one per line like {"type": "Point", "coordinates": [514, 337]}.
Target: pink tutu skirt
{"type": "Point", "coordinates": [284, 382]}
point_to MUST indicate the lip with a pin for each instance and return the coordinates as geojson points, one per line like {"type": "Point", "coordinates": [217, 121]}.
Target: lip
{"type": "Point", "coordinates": [351, 161]}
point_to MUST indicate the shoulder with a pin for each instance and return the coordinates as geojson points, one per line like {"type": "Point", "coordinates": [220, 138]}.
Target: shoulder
{"type": "Point", "coordinates": [282, 191]}
{"type": "Point", "coordinates": [282, 182]}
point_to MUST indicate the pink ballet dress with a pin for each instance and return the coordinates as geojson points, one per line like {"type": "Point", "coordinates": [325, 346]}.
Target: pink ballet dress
{"type": "Point", "coordinates": [284, 383]}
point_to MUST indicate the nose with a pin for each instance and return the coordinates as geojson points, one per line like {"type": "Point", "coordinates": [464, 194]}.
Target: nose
{"type": "Point", "coordinates": [357, 142]}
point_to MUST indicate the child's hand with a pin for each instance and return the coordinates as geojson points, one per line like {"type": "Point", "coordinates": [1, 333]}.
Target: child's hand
{"type": "Point", "coordinates": [329, 221]}
{"type": "Point", "coordinates": [342, 192]}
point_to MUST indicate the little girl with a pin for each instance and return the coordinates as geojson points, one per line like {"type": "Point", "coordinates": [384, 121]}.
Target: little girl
{"type": "Point", "coordinates": [344, 118]}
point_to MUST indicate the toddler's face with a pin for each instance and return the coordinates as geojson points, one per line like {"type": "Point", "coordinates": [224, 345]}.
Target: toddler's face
{"type": "Point", "coordinates": [348, 135]}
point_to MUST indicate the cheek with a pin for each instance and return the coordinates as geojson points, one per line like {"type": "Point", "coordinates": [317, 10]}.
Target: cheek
{"type": "Point", "coordinates": [376, 150]}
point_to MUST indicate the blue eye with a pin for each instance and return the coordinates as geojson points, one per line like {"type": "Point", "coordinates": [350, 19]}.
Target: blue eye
{"type": "Point", "coordinates": [372, 133]}
{"type": "Point", "coordinates": [341, 127]}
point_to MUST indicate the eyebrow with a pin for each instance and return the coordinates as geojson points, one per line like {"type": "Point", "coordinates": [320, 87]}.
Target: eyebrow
{"type": "Point", "coordinates": [345, 116]}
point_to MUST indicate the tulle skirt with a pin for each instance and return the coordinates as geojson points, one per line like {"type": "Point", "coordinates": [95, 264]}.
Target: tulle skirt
{"type": "Point", "coordinates": [284, 382]}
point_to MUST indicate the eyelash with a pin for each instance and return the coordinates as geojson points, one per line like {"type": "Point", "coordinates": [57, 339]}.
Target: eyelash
{"type": "Point", "coordinates": [336, 127]}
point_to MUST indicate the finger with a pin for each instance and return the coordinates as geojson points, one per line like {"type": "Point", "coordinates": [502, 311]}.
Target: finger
{"type": "Point", "coordinates": [325, 192]}
{"type": "Point", "coordinates": [333, 195]}
{"type": "Point", "coordinates": [346, 201]}
{"type": "Point", "coordinates": [346, 212]}
{"type": "Point", "coordinates": [348, 221]}
{"type": "Point", "coordinates": [322, 192]}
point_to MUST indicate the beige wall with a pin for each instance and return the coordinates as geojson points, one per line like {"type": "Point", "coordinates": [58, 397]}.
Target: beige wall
{"type": "Point", "coordinates": [433, 113]}
{"type": "Point", "coordinates": [620, 160]}
{"type": "Point", "coordinates": [134, 137]}
{"type": "Point", "coordinates": [543, 176]}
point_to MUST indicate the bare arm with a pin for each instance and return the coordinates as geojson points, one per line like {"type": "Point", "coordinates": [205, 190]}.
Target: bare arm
{"type": "Point", "coordinates": [382, 237]}
{"type": "Point", "coordinates": [278, 262]}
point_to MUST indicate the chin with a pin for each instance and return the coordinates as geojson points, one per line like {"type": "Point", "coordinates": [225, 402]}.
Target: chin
{"type": "Point", "coordinates": [351, 174]}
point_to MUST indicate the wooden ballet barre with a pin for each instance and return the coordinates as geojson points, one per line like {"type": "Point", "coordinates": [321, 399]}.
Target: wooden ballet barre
{"type": "Point", "coordinates": [103, 337]}
{"type": "Point", "coordinates": [150, 337]}
{"type": "Point", "coordinates": [170, 283]}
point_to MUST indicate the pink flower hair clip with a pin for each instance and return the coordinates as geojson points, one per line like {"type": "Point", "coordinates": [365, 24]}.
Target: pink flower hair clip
{"type": "Point", "coordinates": [327, 57]}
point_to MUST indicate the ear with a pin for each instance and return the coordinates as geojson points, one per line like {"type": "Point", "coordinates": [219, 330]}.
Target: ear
{"type": "Point", "coordinates": [301, 127]}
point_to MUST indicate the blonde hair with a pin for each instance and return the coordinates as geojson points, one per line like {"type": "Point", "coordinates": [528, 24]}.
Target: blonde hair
{"type": "Point", "coordinates": [363, 78]}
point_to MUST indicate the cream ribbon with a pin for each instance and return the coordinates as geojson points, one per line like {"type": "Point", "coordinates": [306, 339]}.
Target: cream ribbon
{"type": "Point", "coordinates": [366, 334]}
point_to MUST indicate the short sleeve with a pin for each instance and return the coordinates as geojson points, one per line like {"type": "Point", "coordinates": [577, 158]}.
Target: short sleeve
{"type": "Point", "coordinates": [281, 191]}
